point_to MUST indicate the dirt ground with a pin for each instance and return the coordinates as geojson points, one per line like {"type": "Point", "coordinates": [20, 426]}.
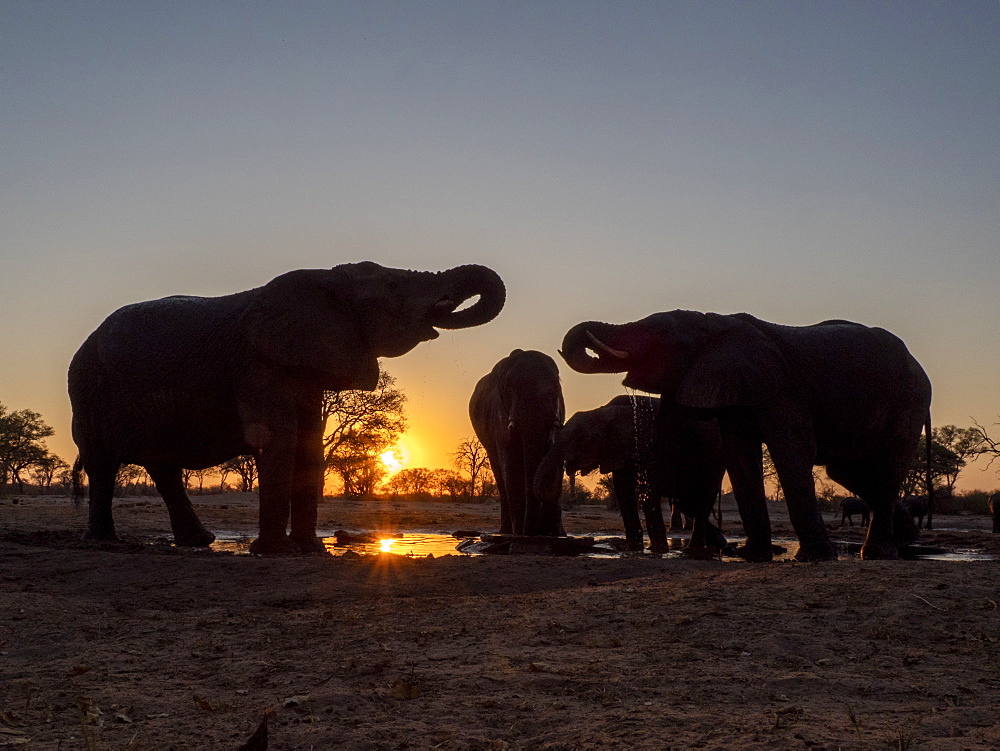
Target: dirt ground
{"type": "Point", "coordinates": [139, 645]}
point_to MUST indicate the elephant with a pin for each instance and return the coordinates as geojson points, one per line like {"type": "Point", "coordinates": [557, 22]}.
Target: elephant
{"type": "Point", "coordinates": [516, 410]}
{"type": "Point", "coordinates": [837, 394]}
{"type": "Point", "coordinates": [917, 507]}
{"type": "Point", "coordinates": [852, 506]}
{"type": "Point", "coordinates": [994, 505]}
{"type": "Point", "coordinates": [191, 382]}
{"type": "Point", "coordinates": [620, 438]}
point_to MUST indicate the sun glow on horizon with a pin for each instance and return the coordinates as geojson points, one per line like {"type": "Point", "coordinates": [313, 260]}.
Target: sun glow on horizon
{"type": "Point", "coordinates": [392, 459]}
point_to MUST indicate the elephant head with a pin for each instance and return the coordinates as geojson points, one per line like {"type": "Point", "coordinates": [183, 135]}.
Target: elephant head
{"type": "Point", "coordinates": [308, 319]}
{"type": "Point", "coordinates": [597, 439]}
{"type": "Point", "coordinates": [704, 360]}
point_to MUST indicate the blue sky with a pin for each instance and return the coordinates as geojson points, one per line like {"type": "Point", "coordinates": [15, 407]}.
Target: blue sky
{"type": "Point", "coordinates": [796, 160]}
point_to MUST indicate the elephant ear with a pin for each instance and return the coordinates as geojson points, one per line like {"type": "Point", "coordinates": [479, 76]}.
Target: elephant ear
{"type": "Point", "coordinates": [304, 322]}
{"type": "Point", "coordinates": [740, 367]}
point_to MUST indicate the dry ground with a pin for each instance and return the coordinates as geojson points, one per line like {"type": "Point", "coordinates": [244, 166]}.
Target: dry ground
{"type": "Point", "coordinates": [138, 645]}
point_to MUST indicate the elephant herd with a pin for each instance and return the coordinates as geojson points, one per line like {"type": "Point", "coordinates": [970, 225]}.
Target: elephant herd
{"type": "Point", "coordinates": [189, 382]}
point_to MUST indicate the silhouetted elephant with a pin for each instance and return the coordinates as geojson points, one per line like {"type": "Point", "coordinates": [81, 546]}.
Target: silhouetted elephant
{"type": "Point", "coordinates": [620, 438]}
{"type": "Point", "coordinates": [837, 394]}
{"type": "Point", "coordinates": [516, 410]}
{"type": "Point", "coordinates": [853, 506]}
{"type": "Point", "coordinates": [190, 382]}
{"type": "Point", "coordinates": [994, 504]}
{"type": "Point", "coordinates": [918, 507]}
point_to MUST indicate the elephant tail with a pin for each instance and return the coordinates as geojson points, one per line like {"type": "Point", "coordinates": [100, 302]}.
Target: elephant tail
{"type": "Point", "coordinates": [930, 475]}
{"type": "Point", "coordinates": [77, 481]}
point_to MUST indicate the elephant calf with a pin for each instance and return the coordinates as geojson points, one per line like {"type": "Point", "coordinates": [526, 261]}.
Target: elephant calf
{"type": "Point", "coordinates": [621, 438]}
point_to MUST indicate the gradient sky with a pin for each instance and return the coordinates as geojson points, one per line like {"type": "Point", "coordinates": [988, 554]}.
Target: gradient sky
{"type": "Point", "coordinates": [795, 160]}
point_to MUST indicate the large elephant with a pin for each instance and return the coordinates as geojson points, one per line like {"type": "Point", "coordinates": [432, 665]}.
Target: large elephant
{"type": "Point", "coordinates": [516, 410]}
{"type": "Point", "coordinates": [994, 505]}
{"type": "Point", "coordinates": [838, 394]}
{"type": "Point", "coordinates": [190, 382]}
{"type": "Point", "coordinates": [621, 438]}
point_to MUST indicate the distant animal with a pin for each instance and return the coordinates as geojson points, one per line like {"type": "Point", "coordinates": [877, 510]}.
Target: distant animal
{"type": "Point", "coordinates": [620, 439]}
{"type": "Point", "coordinates": [836, 394]}
{"type": "Point", "coordinates": [918, 507]}
{"type": "Point", "coordinates": [994, 504]}
{"type": "Point", "coordinates": [516, 411]}
{"type": "Point", "coordinates": [191, 382]}
{"type": "Point", "coordinates": [853, 506]}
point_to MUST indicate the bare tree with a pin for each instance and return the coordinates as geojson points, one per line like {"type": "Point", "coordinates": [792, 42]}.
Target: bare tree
{"type": "Point", "coordinates": [246, 468]}
{"type": "Point", "coordinates": [989, 447]}
{"type": "Point", "coordinates": [470, 457]}
{"type": "Point", "coordinates": [46, 469]}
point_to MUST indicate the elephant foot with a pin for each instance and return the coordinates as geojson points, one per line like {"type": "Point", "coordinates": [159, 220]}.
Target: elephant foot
{"type": "Point", "coordinates": [873, 551]}
{"type": "Point", "coordinates": [826, 551]}
{"type": "Point", "coordinates": [659, 546]}
{"type": "Point", "coordinates": [702, 552]}
{"type": "Point", "coordinates": [308, 544]}
{"type": "Point", "coordinates": [196, 538]}
{"type": "Point", "coordinates": [274, 545]}
{"type": "Point", "coordinates": [754, 553]}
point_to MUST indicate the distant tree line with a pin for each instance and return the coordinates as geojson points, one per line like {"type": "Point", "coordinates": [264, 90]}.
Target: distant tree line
{"type": "Point", "coordinates": [362, 425]}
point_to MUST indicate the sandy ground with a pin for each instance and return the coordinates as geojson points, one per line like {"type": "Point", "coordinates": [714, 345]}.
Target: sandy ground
{"type": "Point", "coordinates": [139, 645]}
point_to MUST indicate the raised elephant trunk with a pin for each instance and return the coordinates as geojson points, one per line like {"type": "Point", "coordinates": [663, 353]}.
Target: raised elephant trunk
{"type": "Point", "coordinates": [462, 283]}
{"type": "Point", "coordinates": [592, 337]}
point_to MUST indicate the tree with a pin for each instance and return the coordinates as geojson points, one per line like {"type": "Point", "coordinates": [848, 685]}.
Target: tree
{"type": "Point", "coordinates": [21, 443]}
{"type": "Point", "coordinates": [945, 464]}
{"type": "Point", "coordinates": [470, 457]}
{"type": "Point", "coordinates": [359, 427]}
{"type": "Point", "coordinates": [412, 481]}
{"type": "Point", "coordinates": [45, 470]}
{"type": "Point", "coordinates": [965, 443]}
{"type": "Point", "coordinates": [447, 481]}
{"type": "Point", "coordinates": [989, 447]}
{"type": "Point", "coordinates": [131, 477]}
{"type": "Point", "coordinates": [246, 468]}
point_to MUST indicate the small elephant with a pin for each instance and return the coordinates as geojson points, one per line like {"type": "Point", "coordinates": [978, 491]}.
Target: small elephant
{"type": "Point", "coordinates": [838, 394]}
{"type": "Point", "coordinates": [853, 506]}
{"type": "Point", "coordinates": [918, 507]}
{"type": "Point", "coordinates": [191, 382]}
{"type": "Point", "coordinates": [516, 410]}
{"type": "Point", "coordinates": [620, 438]}
{"type": "Point", "coordinates": [994, 504]}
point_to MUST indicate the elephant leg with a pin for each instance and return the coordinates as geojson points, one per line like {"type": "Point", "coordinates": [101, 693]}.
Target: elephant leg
{"type": "Point", "coordinates": [307, 482]}
{"type": "Point", "coordinates": [187, 528]}
{"type": "Point", "coordinates": [879, 489]}
{"type": "Point", "coordinates": [513, 472]}
{"type": "Point", "coordinates": [101, 479]}
{"type": "Point", "coordinates": [743, 458]}
{"type": "Point", "coordinates": [676, 519]}
{"type": "Point", "coordinates": [652, 511]}
{"type": "Point", "coordinates": [506, 515]}
{"type": "Point", "coordinates": [792, 446]}
{"type": "Point", "coordinates": [623, 480]}
{"type": "Point", "coordinates": [275, 467]}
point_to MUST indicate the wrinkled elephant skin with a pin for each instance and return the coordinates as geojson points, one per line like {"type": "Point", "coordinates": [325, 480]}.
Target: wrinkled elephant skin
{"type": "Point", "coordinates": [191, 382]}
{"type": "Point", "coordinates": [838, 394]}
{"type": "Point", "coordinates": [516, 410]}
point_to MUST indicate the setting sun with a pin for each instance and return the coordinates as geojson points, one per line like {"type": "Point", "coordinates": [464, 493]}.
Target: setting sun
{"type": "Point", "coordinates": [392, 459]}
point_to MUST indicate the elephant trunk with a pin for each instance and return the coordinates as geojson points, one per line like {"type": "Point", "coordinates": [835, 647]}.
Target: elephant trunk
{"type": "Point", "coordinates": [592, 337]}
{"type": "Point", "coordinates": [461, 284]}
{"type": "Point", "coordinates": [548, 476]}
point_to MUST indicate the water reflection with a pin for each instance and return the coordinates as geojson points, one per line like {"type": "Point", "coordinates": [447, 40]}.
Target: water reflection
{"type": "Point", "coordinates": [422, 544]}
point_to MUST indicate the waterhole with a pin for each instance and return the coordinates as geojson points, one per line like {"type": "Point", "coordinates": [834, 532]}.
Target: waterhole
{"type": "Point", "coordinates": [422, 544]}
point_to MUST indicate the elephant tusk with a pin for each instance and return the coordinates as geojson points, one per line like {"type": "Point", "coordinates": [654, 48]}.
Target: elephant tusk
{"type": "Point", "coordinates": [603, 349]}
